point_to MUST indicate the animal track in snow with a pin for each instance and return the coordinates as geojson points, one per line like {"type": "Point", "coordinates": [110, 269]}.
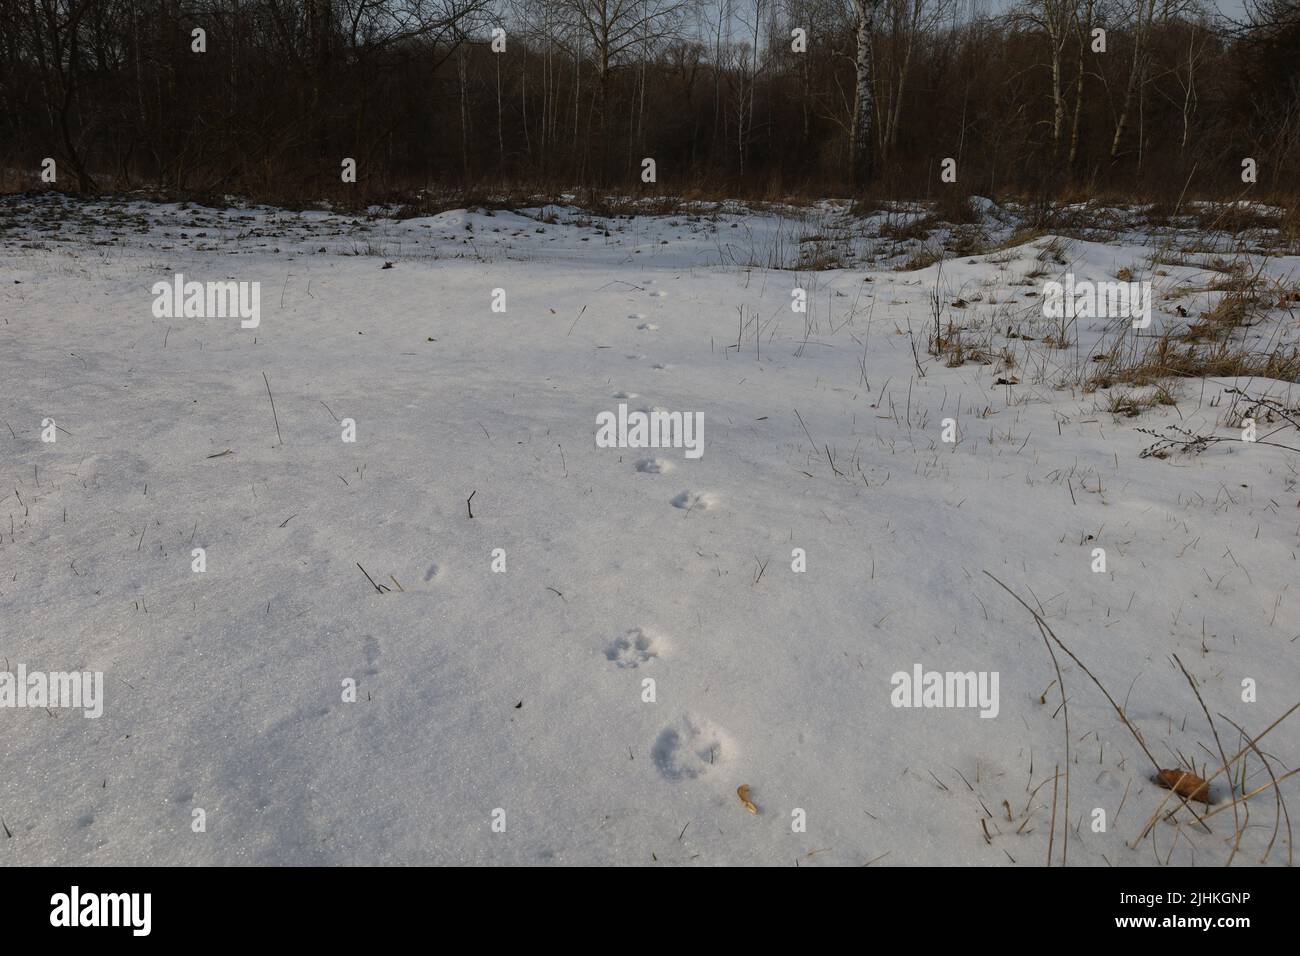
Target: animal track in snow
{"type": "Point", "coordinates": [689, 748]}
{"type": "Point", "coordinates": [648, 327]}
{"type": "Point", "coordinates": [660, 367]}
{"type": "Point", "coordinates": [654, 466]}
{"type": "Point", "coordinates": [370, 650]}
{"type": "Point", "coordinates": [637, 315]}
{"type": "Point", "coordinates": [635, 648]}
{"type": "Point", "coordinates": [696, 500]}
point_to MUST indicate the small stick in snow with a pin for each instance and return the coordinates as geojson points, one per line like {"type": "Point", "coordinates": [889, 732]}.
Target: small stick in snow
{"type": "Point", "coordinates": [468, 500]}
{"type": "Point", "coordinates": [1051, 835]}
{"type": "Point", "coordinates": [273, 414]}
{"type": "Point", "coordinates": [575, 323]}
{"type": "Point", "coordinates": [378, 587]}
{"type": "Point", "coordinates": [832, 461]}
{"type": "Point", "coordinates": [809, 434]}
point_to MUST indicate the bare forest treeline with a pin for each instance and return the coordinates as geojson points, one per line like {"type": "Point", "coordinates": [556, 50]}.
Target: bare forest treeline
{"type": "Point", "coordinates": [716, 94]}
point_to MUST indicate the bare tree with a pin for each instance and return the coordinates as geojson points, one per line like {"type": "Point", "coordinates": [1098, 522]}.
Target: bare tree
{"type": "Point", "coordinates": [861, 142]}
{"type": "Point", "coordinates": [1054, 18]}
{"type": "Point", "coordinates": [414, 90]}
{"type": "Point", "coordinates": [748, 60]}
{"type": "Point", "coordinates": [55, 34]}
{"type": "Point", "coordinates": [1083, 25]}
{"type": "Point", "coordinates": [1142, 17]}
{"type": "Point", "coordinates": [909, 21]}
{"type": "Point", "coordinates": [615, 28]}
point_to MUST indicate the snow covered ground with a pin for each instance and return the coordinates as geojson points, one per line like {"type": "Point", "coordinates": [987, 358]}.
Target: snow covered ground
{"type": "Point", "coordinates": [517, 696]}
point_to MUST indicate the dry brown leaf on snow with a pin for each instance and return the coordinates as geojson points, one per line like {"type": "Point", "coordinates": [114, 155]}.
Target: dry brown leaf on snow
{"type": "Point", "coordinates": [743, 792]}
{"type": "Point", "coordinates": [1185, 784]}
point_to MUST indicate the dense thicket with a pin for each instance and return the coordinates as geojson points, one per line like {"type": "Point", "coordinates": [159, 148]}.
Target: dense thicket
{"type": "Point", "coordinates": [586, 89]}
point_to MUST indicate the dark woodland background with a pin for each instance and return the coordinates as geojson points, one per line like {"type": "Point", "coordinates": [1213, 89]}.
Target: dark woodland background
{"type": "Point", "coordinates": [586, 88]}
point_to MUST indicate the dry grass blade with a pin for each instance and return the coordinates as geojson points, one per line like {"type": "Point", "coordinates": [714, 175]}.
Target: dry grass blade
{"type": "Point", "coordinates": [1045, 627]}
{"type": "Point", "coordinates": [1237, 756]}
{"type": "Point", "coordinates": [1280, 803]}
{"type": "Point", "coordinates": [1203, 793]}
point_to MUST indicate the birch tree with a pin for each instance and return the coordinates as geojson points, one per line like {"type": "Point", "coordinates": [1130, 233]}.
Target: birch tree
{"type": "Point", "coordinates": [862, 137]}
{"type": "Point", "coordinates": [1144, 17]}
{"type": "Point", "coordinates": [1083, 21]}
{"type": "Point", "coordinates": [1054, 18]}
{"type": "Point", "coordinates": [749, 61]}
